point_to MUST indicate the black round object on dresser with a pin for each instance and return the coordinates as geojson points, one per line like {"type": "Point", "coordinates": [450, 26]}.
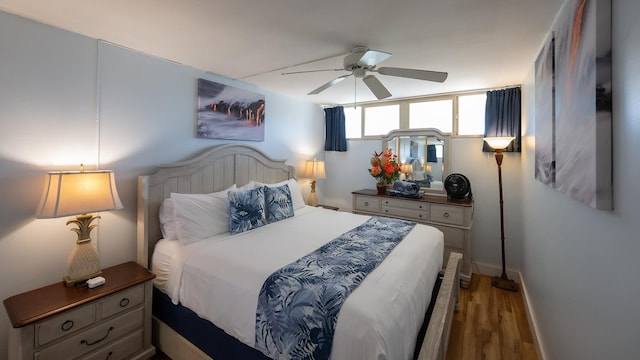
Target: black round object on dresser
{"type": "Point", "coordinates": [458, 187]}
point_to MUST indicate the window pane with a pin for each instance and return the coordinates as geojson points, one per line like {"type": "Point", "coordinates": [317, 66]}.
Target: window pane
{"type": "Point", "coordinates": [380, 120]}
{"type": "Point", "coordinates": [432, 114]}
{"type": "Point", "coordinates": [471, 114]}
{"type": "Point", "coordinates": [353, 122]}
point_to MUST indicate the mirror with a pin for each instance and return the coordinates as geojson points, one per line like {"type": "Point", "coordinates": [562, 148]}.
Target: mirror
{"type": "Point", "coordinates": [424, 154]}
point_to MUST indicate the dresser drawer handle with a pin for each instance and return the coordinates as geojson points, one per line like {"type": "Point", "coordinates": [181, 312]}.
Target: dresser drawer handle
{"type": "Point", "coordinates": [99, 340]}
{"type": "Point", "coordinates": [109, 355]}
{"type": "Point", "coordinates": [67, 325]}
{"type": "Point", "coordinates": [124, 302]}
{"type": "Point", "coordinates": [420, 206]}
{"type": "Point", "coordinates": [419, 215]}
{"type": "Point", "coordinates": [446, 214]}
{"type": "Point", "coordinates": [366, 203]}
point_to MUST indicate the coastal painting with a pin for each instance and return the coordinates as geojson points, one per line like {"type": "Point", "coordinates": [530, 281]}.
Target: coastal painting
{"type": "Point", "coordinates": [574, 106]}
{"type": "Point", "coordinates": [227, 112]}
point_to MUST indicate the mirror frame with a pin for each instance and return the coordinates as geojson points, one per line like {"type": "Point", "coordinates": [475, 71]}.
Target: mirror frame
{"type": "Point", "coordinates": [446, 160]}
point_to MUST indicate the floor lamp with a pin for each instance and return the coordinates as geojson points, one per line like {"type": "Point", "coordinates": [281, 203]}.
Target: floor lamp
{"type": "Point", "coordinates": [499, 144]}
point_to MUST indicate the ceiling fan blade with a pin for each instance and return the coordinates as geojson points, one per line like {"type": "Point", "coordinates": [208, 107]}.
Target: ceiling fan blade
{"type": "Point", "coordinates": [328, 85]}
{"type": "Point", "coordinates": [373, 57]}
{"type": "Point", "coordinates": [376, 87]}
{"type": "Point", "coordinates": [427, 75]}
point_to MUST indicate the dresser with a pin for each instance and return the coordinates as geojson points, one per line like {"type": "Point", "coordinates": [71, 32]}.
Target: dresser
{"type": "Point", "coordinates": [111, 321]}
{"type": "Point", "coordinates": [453, 218]}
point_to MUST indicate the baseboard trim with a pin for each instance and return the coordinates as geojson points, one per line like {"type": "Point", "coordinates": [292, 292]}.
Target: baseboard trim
{"type": "Point", "coordinates": [490, 270]}
{"type": "Point", "coordinates": [533, 324]}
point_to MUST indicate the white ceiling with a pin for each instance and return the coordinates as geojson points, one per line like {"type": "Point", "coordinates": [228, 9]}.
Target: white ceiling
{"type": "Point", "coordinates": [481, 44]}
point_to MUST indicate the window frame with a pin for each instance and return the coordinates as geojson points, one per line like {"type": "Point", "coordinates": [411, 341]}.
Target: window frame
{"type": "Point", "coordinates": [404, 112]}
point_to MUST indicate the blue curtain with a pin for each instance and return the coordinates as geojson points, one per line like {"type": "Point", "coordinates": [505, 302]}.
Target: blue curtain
{"type": "Point", "coordinates": [335, 132]}
{"type": "Point", "coordinates": [502, 117]}
{"type": "Point", "coordinates": [432, 156]}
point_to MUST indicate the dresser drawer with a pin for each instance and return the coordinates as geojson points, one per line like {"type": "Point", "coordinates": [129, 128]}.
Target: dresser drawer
{"type": "Point", "coordinates": [367, 203]}
{"type": "Point", "coordinates": [406, 213]}
{"type": "Point", "coordinates": [447, 214]}
{"type": "Point", "coordinates": [64, 324]}
{"type": "Point", "coordinates": [122, 301]}
{"type": "Point", "coordinates": [406, 204]}
{"type": "Point", "coordinates": [93, 338]}
{"type": "Point", "coordinates": [119, 350]}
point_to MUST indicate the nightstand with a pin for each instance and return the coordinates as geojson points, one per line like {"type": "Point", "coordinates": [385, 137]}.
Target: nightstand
{"type": "Point", "coordinates": [111, 321]}
{"type": "Point", "coordinates": [335, 208]}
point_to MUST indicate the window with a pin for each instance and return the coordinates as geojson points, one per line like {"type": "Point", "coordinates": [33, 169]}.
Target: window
{"type": "Point", "coordinates": [462, 112]}
{"type": "Point", "coordinates": [432, 114]}
{"type": "Point", "coordinates": [353, 122]}
{"type": "Point", "coordinates": [379, 120]}
{"type": "Point", "coordinates": [471, 114]}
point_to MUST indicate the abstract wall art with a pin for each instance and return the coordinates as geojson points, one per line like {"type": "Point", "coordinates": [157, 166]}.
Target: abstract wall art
{"type": "Point", "coordinates": [573, 104]}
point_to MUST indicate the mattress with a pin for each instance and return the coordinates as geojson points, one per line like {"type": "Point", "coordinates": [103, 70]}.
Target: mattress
{"type": "Point", "coordinates": [219, 279]}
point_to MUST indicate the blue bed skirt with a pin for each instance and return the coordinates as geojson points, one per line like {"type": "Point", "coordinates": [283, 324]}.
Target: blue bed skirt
{"type": "Point", "coordinates": [219, 345]}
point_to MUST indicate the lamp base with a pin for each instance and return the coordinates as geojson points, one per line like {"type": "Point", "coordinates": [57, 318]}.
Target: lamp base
{"type": "Point", "coordinates": [503, 282]}
{"type": "Point", "coordinates": [84, 263]}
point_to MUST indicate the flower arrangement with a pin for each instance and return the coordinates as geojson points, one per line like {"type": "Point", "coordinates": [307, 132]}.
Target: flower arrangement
{"type": "Point", "coordinates": [384, 167]}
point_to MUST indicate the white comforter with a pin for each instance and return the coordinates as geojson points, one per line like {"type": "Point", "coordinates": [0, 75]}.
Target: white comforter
{"type": "Point", "coordinates": [220, 278]}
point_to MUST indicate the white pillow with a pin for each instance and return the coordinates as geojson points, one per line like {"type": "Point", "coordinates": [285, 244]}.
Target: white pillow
{"type": "Point", "coordinates": [296, 195]}
{"type": "Point", "coordinates": [199, 216]}
{"type": "Point", "coordinates": [168, 224]}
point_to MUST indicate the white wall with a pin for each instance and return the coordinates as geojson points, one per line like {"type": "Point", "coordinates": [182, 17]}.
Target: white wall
{"type": "Point", "coordinates": [49, 99]}
{"type": "Point", "coordinates": [580, 266]}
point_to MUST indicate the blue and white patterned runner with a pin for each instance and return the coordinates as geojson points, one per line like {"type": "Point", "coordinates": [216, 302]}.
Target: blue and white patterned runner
{"type": "Point", "coordinates": [298, 305]}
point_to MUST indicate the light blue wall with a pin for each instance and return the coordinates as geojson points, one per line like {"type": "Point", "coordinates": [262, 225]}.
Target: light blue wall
{"type": "Point", "coordinates": [580, 265]}
{"type": "Point", "coordinates": [56, 112]}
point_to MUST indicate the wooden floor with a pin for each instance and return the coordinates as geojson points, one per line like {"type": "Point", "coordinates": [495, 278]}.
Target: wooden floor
{"type": "Point", "coordinates": [490, 324]}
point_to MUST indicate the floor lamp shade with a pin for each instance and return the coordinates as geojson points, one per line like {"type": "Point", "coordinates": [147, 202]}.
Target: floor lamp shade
{"type": "Point", "coordinates": [68, 193]}
{"type": "Point", "coordinates": [314, 169]}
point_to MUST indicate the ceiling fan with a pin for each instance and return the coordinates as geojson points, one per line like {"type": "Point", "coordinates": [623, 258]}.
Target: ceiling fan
{"type": "Point", "coordinates": [362, 60]}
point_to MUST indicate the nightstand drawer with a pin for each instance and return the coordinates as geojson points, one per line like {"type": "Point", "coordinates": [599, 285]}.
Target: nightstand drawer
{"type": "Point", "coordinates": [64, 324]}
{"type": "Point", "coordinates": [91, 339]}
{"type": "Point", "coordinates": [367, 203]}
{"type": "Point", "coordinates": [122, 301]}
{"type": "Point", "coordinates": [447, 214]}
{"type": "Point", "coordinates": [121, 349]}
{"type": "Point", "coordinates": [453, 237]}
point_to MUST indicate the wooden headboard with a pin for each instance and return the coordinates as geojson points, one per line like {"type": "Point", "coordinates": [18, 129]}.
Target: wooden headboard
{"type": "Point", "coordinates": [212, 170]}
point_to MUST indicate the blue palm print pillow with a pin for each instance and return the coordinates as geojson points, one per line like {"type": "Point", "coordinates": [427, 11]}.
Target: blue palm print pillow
{"type": "Point", "coordinates": [278, 202]}
{"type": "Point", "coordinates": [246, 210]}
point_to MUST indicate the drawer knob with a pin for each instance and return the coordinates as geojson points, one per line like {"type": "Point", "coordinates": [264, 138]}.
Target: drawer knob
{"type": "Point", "coordinates": [124, 302]}
{"type": "Point", "coordinates": [420, 206]}
{"type": "Point", "coordinates": [99, 340]}
{"type": "Point", "coordinates": [67, 325]}
{"type": "Point", "coordinates": [446, 214]}
{"type": "Point", "coordinates": [385, 210]}
{"type": "Point", "coordinates": [109, 355]}
{"type": "Point", "coordinates": [419, 215]}
{"type": "Point", "coordinates": [366, 203]}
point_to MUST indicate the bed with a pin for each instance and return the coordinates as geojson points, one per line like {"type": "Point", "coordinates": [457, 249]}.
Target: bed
{"type": "Point", "coordinates": [202, 310]}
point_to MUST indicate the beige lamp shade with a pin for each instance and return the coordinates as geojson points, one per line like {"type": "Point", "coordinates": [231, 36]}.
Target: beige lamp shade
{"type": "Point", "coordinates": [69, 193]}
{"type": "Point", "coordinates": [407, 168]}
{"type": "Point", "coordinates": [79, 193]}
{"type": "Point", "coordinates": [314, 169]}
{"type": "Point", "coordinates": [499, 143]}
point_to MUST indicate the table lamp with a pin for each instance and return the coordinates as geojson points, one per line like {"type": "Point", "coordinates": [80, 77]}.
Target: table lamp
{"type": "Point", "coordinates": [313, 170]}
{"type": "Point", "coordinates": [68, 193]}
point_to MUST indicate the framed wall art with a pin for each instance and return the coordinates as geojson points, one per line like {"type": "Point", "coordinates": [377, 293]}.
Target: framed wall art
{"type": "Point", "coordinates": [227, 112]}
{"type": "Point", "coordinates": [573, 104]}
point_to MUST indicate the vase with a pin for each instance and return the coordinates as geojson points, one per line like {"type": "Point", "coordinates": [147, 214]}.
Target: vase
{"type": "Point", "coordinates": [382, 188]}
